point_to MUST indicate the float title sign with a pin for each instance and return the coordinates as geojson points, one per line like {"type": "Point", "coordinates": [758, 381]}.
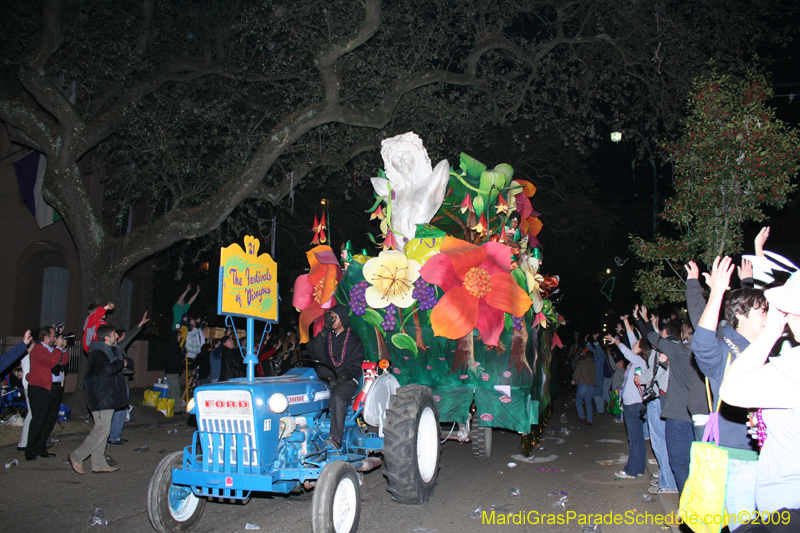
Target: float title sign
{"type": "Point", "coordinates": [248, 282]}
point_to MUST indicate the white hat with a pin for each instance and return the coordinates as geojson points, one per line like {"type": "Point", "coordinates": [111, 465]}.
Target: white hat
{"type": "Point", "coordinates": [786, 297]}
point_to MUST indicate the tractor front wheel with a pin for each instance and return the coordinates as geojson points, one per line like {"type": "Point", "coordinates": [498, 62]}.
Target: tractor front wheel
{"type": "Point", "coordinates": [411, 445]}
{"type": "Point", "coordinates": [172, 508]}
{"type": "Point", "coordinates": [336, 506]}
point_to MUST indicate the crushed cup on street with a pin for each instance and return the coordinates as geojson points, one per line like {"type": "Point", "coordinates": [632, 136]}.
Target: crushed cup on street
{"type": "Point", "coordinates": [142, 449]}
{"type": "Point", "coordinates": [476, 513]}
{"type": "Point", "coordinates": [12, 464]}
{"type": "Point", "coordinates": [513, 491]}
{"type": "Point", "coordinates": [423, 529]}
{"type": "Point", "coordinates": [252, 526]}
{"type": "Point", "coordinates": [559, 493]}
{"type": "Point", "coordinates": [646, 498]}
{"type": "Point", "coordinates": [512, 465]}
{"type": "Point", "coordinates": [561, 503]}
{"type": "Point", "coordinates": [591, 528]}
{"type": "Point", "coordinates": [98, 518]}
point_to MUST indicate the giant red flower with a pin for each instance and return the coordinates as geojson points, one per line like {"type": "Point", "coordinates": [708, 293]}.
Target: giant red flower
{"type": "Point", "coordinates": [478, 289]}
{"type": "Point", "coordinates": [313, 292]}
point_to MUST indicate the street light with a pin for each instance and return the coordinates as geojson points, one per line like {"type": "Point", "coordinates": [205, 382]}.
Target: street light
{"type": "Point", "coordinates": [616, 136]}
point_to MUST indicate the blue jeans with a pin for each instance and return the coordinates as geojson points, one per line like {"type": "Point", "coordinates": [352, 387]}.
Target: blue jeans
{"type": "Point", "coordinates": [637, 453]}
{"type": "Point", "coordinates": [118, 420]}
{"type": "Point", "coordinates": [680, 435]}
{"type": "Point", "coordinates": [741, 489]}
{"type": "Point", "coordinates": [606, 390]}
{"type": "Point", "coordinates": [584, 394]}
{"type": "Point", "coordinates": [657, 440]}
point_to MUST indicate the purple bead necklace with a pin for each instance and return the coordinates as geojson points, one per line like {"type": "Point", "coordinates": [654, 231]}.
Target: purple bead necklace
{"type": "Point", "coordinates": [344, 349]}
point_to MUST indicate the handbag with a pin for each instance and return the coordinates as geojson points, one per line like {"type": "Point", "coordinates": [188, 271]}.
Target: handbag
{"type": "Point", "coordinates": [702, 503]}
{"type": "Point", "coordinates": [614, 407]}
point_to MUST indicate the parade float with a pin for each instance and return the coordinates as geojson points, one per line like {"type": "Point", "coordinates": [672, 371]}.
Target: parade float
{"type": "Point", "coordinates": [455, 299]}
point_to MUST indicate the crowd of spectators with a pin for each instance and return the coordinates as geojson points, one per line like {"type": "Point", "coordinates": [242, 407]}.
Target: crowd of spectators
{"type": "Point", "coordinates": [728, 357]}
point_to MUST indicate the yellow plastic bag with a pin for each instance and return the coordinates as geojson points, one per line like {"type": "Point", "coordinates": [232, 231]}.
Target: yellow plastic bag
{"type": "Point", "coordinates": [166, 406]}
{"type": "Point", "coordinates": [151, 398]}
{"type": "Point", "coordinates": [702, 505]}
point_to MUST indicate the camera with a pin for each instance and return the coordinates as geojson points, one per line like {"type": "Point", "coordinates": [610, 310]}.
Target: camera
{"type": "Point", "coordinates": [649, 394]}
{"type": "Point", "coordinates": [60, 332]}
{"type": "Point", "coordinates": [59, 368]}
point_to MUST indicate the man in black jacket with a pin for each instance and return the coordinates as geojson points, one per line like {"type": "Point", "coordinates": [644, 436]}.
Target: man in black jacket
{"type": "Point", "coordinates": [232, 364]}
{"type": "Point", "coordinates": [105, 391]}
{"type": "Point", "coordinates": [340, 348]}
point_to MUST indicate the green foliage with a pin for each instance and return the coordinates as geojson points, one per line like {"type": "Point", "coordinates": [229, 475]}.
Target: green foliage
{"type": "Point", "coordinates": [734, 159]}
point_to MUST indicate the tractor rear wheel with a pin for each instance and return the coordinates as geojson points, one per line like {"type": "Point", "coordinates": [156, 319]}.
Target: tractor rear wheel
{"type": "Point", "coordinates": [411, 445]}
{"type": "Point", "coordinates": [336, 506]}
{"type": "Point", "coordinates": [172, 508]}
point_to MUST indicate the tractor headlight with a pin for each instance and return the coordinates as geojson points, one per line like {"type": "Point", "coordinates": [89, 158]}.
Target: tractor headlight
{"type": "Point", "coordinates": [190, 407]}
{"type": "Point", "coordinates": [278, 403]}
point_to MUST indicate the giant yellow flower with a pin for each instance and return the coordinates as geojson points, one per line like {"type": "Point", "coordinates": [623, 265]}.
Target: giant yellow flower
{"type": "Point", "coordinates": [391, 277]}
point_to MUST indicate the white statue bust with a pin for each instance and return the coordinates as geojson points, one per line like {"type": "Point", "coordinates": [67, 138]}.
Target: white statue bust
{"type": "Point", "coordinates": [418, 190]}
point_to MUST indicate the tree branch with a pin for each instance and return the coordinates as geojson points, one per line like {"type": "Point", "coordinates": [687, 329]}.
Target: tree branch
{"type": "Point", "coordinates": [51, 36]}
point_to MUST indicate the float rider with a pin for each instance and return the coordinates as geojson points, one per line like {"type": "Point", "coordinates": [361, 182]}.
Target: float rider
{"type": "Point", "coordinates": [340, 348]}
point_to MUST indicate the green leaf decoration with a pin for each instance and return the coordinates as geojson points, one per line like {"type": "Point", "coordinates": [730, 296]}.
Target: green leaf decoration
{"type": "Point", "coordinates": [520, 278]}
{"type": "Point", "coordinates": [372, 238]}
{"type": "Point", "coordinates": [491, 181]}
{"type": "Point", "coordinates": [506, 170]}
{"type": "Point", "coordinates": [478, 203]}
{"type": "Point", "coordinates": [378, 201]}
{"type": "Point", "coordinates": [373, 318]}
{"type": "Point", "coordinates": [405, 342]}
{"type": "Point", "coordinates": [382, 174]}
{"type": "Point", "coordinates": [472, 167]}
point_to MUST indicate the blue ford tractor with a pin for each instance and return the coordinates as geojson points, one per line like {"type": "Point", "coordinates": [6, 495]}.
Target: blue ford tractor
{"type": "Point", "coordinates": [268, 435]}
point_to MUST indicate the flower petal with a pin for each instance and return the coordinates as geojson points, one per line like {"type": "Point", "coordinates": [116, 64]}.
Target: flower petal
{"type": "Point", "coordinates": [507, 295]}
{"type": "Point", "coordinates": [455, 315]}
{"type": "Point", "coordinates": [303, 293]}
{"type": "Point", "coordinates": [490, 323]}
{"type": "Point", "coordinates": [462, 254]}
{"type": "Point", "coordinates": [439, 270]}
{"type": "Point", "coordinates": [374, 297]}
{"type": "Point", "coordinates": [498, 258]}
{"type": "Point", "coordinates": [309, 315]}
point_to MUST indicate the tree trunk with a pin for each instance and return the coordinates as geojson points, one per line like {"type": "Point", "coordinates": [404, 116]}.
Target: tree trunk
{"type": "Point", "coordinates": [100, 283]}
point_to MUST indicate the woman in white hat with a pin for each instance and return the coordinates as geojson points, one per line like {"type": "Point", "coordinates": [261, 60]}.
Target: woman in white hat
{"type": "Point", "coordinates": [773, 386]}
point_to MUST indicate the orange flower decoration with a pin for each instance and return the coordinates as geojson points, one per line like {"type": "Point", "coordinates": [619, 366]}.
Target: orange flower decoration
{"type": "Point", "coordinates": [313, 292]}
{"type": "Point", "coordinates": [478, 289]}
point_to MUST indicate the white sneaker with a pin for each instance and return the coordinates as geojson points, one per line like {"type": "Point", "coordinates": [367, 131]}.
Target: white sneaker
{"type": "Point", "coordinates": [652, 462]}
{"type": "Point", "coordinates": [659, 490]}
{"type": "Point", "coordinates": [618, 421]}
{"type": "Point", "coordinates": [622, 475]}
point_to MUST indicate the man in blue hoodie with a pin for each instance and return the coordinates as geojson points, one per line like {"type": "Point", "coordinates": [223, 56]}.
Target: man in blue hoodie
{"type": "Point", "coordinates": [746, 316]}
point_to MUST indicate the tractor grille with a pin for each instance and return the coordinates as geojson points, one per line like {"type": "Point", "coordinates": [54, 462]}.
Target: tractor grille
{"type": "Point", "coordinates": [225, 420]}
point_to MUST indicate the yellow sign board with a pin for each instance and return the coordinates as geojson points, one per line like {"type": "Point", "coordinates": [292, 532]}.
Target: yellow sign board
{"type": "Point", "coordinates": [248, 282]}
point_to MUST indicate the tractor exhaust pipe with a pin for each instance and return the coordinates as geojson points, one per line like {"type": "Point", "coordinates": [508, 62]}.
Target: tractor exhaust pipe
{"type": "Point", "coordinates": [369, 463]}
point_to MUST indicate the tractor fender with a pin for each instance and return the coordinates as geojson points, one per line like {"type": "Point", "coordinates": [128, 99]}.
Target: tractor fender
{"type": "Point", "coordinates": [377, 401]}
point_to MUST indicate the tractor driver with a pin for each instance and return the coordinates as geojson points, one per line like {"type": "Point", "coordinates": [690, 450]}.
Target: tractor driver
{"type": "Point", "coordinates": [340, 348]}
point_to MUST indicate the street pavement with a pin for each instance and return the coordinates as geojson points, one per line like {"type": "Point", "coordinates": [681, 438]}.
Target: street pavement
{"type": "Point", "coordinates": [46, 495]}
